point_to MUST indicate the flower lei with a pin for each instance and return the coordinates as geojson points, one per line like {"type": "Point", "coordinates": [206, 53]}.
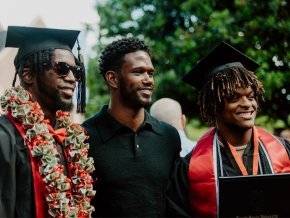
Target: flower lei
{"type": "Point", "coordinates": [65, 197]}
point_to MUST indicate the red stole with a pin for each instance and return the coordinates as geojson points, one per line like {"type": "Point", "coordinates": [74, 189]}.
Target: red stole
{"type": "Point", "coordinates": [278, 155]}
{"type": "Point", "coordinates": [202, 170]}
{"type": "Point", "coordinates": [41, 209]}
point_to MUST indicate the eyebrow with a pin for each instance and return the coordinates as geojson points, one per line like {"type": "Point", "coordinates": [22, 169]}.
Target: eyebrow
{"type": "Point", "coordinates": [142, 68]}
{"type": "Point", "coordinates": [237, 93]}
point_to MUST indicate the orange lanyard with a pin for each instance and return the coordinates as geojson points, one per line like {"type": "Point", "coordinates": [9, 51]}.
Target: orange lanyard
{"type": "Point", "coordinates": [239, 160]}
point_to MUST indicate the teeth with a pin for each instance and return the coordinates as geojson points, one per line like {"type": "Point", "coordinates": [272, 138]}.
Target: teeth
{"type": "Point", "coordinates": [245, 113]}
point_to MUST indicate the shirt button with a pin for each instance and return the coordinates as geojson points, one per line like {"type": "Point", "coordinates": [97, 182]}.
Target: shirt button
{"type": "Point", "coordinates": [137, 146]}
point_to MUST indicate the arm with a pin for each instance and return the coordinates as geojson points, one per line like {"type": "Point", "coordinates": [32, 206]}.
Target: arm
{"type": "Point", "coordinates": [177, 193]}
{"type": "Point", "coordinates": [7, 169]}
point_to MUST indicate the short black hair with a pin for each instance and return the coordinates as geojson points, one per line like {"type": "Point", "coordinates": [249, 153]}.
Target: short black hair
{"type": "Point", "coordinates": [112, 56]}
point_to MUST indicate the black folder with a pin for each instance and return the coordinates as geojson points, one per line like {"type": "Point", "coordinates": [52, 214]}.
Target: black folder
{"type": "Point", "coordinates": [254, 196]}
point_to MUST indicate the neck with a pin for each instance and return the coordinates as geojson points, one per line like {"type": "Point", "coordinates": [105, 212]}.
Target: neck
{"type": "Point", "coordinates": [49, 116]}
{"type": "Point", "coordinates": [49, 113]}
{"type": "Point", "coordinates": [236, 137]}
{"type": "Point", "coordinates": [132, 118]}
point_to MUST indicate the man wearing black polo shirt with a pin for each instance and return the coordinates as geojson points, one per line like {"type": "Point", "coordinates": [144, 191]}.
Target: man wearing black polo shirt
{"type": "Point", "coordinates": [133, 152]}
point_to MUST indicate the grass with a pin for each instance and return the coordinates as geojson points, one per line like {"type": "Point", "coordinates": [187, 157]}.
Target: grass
{"type": "Point", "coordinates": [194, 130]}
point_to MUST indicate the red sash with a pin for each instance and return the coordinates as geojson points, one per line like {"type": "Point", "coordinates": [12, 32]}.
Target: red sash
{"type": "Point", "coordinates": [41, 209]}
{"type": "Point", "coordinates": [202, 192]}
{"type": "Point", "coordinates": [202, 175]}
{"type": "Point", "coordinates": [278, 155]}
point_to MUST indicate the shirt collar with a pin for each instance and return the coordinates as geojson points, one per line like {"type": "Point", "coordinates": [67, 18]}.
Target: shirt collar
{"type": "Point", "coordinates": [153, 123]}
{"type": "Point", "coordinates": [109, 126]}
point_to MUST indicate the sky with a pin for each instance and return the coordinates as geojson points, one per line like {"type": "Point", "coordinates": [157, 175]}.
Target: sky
{"type": "Point", "coordinates": [64, 14]}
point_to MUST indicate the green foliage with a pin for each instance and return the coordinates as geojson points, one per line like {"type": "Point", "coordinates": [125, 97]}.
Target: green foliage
{"type": "Point", "coordinates": [98, 91]}
{"type": "Point", "coordinates": [181, 32]}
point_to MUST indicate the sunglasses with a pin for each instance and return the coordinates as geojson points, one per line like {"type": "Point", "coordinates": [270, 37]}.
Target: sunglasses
{"type": "Point", "coordinates": [62, 69]}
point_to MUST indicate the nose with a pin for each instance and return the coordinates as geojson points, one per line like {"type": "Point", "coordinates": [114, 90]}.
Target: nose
{"type": "Point", "coordinates": [148, 78]}
{"type": "Point", "coordinates": [70, 77]}
{"type": "Point", "coordinates": [245, 102]}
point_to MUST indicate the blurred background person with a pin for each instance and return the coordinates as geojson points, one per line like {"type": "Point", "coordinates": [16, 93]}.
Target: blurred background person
{"type": "Point", "coordinates": [285, 134]}
{"type": "Point", "coordinates": [170, 111]}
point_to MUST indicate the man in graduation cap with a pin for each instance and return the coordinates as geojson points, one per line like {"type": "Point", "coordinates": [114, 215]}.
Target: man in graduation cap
{"type": "Point", "coordinates": [229, 97]}
{"type": "Point", "coordinates": [44, 168]}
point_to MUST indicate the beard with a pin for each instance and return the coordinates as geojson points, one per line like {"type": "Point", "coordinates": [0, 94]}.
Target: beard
{"type": "Point", "coordinates": [51, 99]}
{"type": "Point", "coordinates": [131, 98]}
{"type": "Point", "coordinates": [67, 107]}
{"type": "Point", "coordinates": [58, 103]}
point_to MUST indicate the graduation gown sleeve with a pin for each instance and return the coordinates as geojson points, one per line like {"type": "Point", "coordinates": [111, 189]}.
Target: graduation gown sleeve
{"type": "Point", "coordinates": [16, 190]}
{"type": "Point", "coordinates": [177, 192]}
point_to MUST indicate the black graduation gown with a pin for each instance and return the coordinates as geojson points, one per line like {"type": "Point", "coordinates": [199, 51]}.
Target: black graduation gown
{"type": "Point", "coordinates": [178, 195]}
{"type": "Point", "coordinates": [16, 186]}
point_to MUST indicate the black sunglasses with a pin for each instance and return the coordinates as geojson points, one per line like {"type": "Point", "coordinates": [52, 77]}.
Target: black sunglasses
{"type": "Point", "coordinates": [62, 69]}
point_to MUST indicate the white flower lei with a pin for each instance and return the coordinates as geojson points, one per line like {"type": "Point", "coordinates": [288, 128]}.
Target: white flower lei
{"type": "Point", "coordinates": [66, 197]}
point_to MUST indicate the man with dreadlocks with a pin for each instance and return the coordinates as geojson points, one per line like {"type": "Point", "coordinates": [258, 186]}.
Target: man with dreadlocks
{"type": "Point", "coordinates": [228, 99]}
{"type": "Point", "coordinates": [44, 168]}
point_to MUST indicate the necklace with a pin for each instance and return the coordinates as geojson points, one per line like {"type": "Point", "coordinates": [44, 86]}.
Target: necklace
{"type": "Point", "coordinates": [238, 159]}
{"type": "Point", "coordinates": [237, 148]}
{"type": "Point", "coordinates": [240, 148]}
{"type": "Point", "coordinates": [65, 197]}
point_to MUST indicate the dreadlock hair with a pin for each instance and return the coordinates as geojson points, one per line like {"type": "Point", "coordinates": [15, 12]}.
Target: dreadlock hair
{"type": "Point", "coordinates": [37, 63]}
{"type": "Point", "coordinates": [112, 57]}
{"type": "Point", "coordinates": [222, 86]}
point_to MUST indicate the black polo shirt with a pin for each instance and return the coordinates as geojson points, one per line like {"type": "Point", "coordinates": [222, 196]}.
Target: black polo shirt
{"type": "Point", "coordinates": [132, 168]}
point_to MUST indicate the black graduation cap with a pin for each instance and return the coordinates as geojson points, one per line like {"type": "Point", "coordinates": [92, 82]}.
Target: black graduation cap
{"type": "Point", "coordinates": [30, 40]}
{"type": "Point", "coordinates": [221, 57]}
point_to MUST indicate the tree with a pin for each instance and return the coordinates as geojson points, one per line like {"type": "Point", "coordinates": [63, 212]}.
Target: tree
{"type": "Point", "coordinates": [181, 32]}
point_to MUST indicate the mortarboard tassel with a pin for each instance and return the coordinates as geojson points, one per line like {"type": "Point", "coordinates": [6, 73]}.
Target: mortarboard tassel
{"type": "Point", "coordinates": [81, 94]}
{"type": "Point", "coordinates": [14, 79]}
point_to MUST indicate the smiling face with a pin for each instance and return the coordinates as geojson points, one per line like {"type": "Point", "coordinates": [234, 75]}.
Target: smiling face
{"type": "Point", "coordinates": [136, 81]}
{"type": "Point", "coordinates": [55, 92]}
{"type": "Point", "coordinates": [239, 111]}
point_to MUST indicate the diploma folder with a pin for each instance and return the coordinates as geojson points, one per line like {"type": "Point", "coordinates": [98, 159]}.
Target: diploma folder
{"type": "Point", "coordinates": [265, 195]}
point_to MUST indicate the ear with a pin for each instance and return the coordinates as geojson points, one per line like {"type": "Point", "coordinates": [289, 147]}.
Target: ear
{"type": "Point", "coordinates": [218, 111]}
{"type": "Point", "coordinates": [112, 79]}
{"type": "Point", "coordinates": [183, 121]}
{"type": "Point", "coordinates": [27, 76]}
